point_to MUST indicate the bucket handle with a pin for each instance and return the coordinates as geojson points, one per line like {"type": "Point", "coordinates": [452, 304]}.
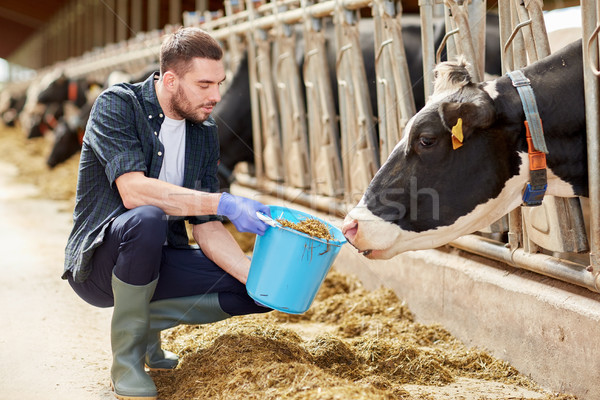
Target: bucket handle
{"type": "Point", "coordinates": [268, 220]}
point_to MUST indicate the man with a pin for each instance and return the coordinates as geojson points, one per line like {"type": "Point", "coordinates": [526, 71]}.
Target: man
{"type": "Point", "coordinates": [149, 160]}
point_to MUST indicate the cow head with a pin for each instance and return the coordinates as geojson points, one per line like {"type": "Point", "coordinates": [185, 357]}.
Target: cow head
{"type": "Point", "coordinates": [454, 172]}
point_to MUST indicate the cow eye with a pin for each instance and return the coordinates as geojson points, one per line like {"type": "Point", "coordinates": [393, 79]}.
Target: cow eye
{"type": "Point", "coordinates": [427, 141]}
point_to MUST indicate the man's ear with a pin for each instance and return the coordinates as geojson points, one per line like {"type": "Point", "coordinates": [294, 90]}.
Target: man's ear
{"type": "Point", "coordinates": [170, 80]}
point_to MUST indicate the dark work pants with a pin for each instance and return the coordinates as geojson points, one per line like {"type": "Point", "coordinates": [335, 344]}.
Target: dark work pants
{"type": "Point", "coordinates": [133, 248]}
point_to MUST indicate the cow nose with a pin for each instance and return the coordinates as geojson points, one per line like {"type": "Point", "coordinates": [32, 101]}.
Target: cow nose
{"type": "Point", "coordinates": [350, 228]}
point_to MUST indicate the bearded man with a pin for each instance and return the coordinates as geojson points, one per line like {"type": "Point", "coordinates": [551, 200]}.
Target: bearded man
{"type": "Point", "coordinates": [149, 163]}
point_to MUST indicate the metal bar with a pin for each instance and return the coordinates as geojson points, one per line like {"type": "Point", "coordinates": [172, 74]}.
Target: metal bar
{"type": "Point", "coordinates": [317, 10]}
{"type": "Point", "coordinates": [478, 27]}
{"type": "Point", "coordinates": [360, 159]}
{"type": "Point", "coordinates": [592, 106]}
{"type": "Point", "coordinates": [394, 89]}
{"type": "Point", "coordinates": [438, 53]}
{"type": "Point", "coordinates": [461, 19]}
{"type": "Point", "coordinates": [427, 45]}
{"type": "Point", "coordinates": [314, 201]}
{"type": "Point", "coordinates": [563, 270]}
{"type": "Point", "coordinates": [519, 52]}
{"type": "Point", "coordinates": [512, 37]}
{"type": "Point", "coordinates": [448, 41]}
{"type": "Point", "coordinates": [326, 163]}
{"type": "Point", "coordinates": [538, 27]}
{"type": "Point", "coordinates": [86, 65]}
{"type": "Point", "coordinates": [256, 137]}
{"type": "Point", "coordinates": [522, 14]}
{"type": "Point", "coordinates": [505, 28]}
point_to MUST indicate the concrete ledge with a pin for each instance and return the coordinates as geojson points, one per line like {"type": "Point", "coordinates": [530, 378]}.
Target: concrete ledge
{"type": "Point", "coordinates": [545, 328]}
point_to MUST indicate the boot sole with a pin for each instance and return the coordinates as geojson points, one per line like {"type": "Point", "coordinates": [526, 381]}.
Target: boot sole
{"type": "Point", "coordinates": [152, 369]}
{"type": "Point", "coordinates": [123, 397]}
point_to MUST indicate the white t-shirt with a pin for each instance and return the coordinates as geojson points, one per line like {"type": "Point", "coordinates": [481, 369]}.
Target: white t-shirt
{"type": "Point", "coordinates": [172, 136]}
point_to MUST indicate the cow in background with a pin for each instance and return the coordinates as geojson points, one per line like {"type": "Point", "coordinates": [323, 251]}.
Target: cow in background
{"type": "Point", "coordinates": [11, 104]}
{"type": "Point", "coordinates": [233, 114]}
{"type": "Point", "coordinates": [69, 130]}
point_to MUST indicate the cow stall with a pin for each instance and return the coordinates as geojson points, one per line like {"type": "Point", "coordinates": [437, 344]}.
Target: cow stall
{"type": "Point", "coordinates": [326, 110]}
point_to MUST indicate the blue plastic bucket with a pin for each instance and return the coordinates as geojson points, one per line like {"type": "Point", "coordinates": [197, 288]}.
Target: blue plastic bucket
{"type": "Point", "coordinates": [288, 267]}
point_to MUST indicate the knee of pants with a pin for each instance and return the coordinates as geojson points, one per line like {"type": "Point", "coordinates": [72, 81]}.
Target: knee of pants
{"type": "Point", "coordinates": [240, 304]}
{"type": "Point", "coordinates": [148, 224]}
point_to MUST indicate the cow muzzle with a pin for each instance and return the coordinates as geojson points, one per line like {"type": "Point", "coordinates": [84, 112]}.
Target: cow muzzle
{"type": "Point", "coordinates": [350, 230]}
{"type": "Point", "coordinates": [370, 235]}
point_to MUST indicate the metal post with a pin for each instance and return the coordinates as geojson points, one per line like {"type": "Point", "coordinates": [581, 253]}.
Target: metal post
{"type": "Point", "coordinates": [505, 31]}
{"type": "Point", "coordinates": [136, 16]}
{"type": "Point", "coordinates": [109, 21]}
{"type": "Point", "coordinates": [589, 15]}
{"type": "Point", "coordinates": [175, 15]}
{"type": "Point", "coordinates": [122, 20]}
{"type": "Point", "coordinates": [153, 15]}
{"type": "Point", "coordinates": [256, 128]}
{"type": "Point", "coordinates": [427, 45]}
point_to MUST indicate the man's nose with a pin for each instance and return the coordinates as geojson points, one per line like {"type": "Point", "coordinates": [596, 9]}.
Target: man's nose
{"type": "Point", "coordinates": [215, 94]}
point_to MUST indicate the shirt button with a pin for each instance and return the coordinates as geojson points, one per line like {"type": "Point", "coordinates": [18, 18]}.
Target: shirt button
{"type": "Point", "coordinates": [155, 134]}
{"type": "Point", "coordinates": [160, 115]}
{"type": "Point", "coordinates": [149, 116]}
{"type": "Point", "coordinates": [160, 153]}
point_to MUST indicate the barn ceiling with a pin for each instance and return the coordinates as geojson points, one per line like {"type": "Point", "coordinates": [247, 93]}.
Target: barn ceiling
{"type": "Point", "coordinates": [19, 19]}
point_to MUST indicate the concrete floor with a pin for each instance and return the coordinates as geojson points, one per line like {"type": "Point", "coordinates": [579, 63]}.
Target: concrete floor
{"type": "Point", "coordinates": [53, 345]}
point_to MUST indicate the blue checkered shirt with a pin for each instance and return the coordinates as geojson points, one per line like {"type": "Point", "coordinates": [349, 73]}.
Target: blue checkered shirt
{"type": "Point", "coordinates": [122, 136]}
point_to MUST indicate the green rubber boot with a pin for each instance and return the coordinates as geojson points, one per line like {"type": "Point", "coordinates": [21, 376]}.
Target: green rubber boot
{"type": "Point", "coordinates": [129, 339]}
{"type": "Point", "coordinates": [168, 313]}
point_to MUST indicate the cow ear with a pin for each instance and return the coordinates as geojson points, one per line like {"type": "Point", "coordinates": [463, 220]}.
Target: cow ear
{"type": "Point", "coordinates": [472, 116]}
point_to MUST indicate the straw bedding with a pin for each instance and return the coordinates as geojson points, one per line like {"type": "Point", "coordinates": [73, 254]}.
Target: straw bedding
{"type": "Point", "coordinates": [354, 344]}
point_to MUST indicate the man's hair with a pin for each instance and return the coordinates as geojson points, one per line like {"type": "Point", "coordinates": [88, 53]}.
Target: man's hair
{"type": "Point", "coordinates": [185, 44]}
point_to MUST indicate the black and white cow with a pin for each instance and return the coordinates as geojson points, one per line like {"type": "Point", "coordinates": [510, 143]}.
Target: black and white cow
{"type": "Point", "coordinates": [69, 130]}
{"type": "Point", "coordinates": [427, 194]}
{"type": "Point", "coordinates": [234, 117]}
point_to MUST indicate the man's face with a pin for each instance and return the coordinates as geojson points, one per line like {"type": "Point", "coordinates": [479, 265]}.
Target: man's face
{"type": "Point", "coordinates": [198, 90]}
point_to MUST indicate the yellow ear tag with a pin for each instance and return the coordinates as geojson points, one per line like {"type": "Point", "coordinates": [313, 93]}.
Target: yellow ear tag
{"type": "Point", "coordinates": [457, 135]}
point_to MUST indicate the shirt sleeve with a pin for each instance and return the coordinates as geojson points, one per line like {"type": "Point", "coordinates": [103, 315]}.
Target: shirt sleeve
{"type": "Point", "coordinates": [112, 135]}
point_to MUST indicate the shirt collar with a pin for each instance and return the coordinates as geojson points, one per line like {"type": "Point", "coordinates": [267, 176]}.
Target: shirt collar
{"type": "Point", "coordinates": [152, 106]}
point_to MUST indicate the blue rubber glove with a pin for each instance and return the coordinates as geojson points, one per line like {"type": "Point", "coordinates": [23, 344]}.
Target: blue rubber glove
{"type": "Point", "coordinates": [241, 211]}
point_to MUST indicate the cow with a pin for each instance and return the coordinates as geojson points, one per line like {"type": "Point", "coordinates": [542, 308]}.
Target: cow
{"type": "Point", "coordinates": [233, 113]}
{"type": "Point", "coordinates": [427, 193]}
{"type": "Point", "coordinates": [68, 134]}
{"type": "Point", "coordinates": [64, 89]}
{"type": "Point", "coordinates": [68, 131]}
{"type": "Point", "coordinates": [11, 104]}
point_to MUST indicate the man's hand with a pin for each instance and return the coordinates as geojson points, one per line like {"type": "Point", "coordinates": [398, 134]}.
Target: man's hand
{"type": "Point", "coordinates": [241, 212]}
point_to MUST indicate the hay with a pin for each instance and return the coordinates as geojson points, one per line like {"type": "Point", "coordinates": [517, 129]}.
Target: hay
{"type": "Point", "coordinates": [29, 156]}
{"type": "Point", "coordinates": [368, 347]}
{"type": "Point", "coordinates": [311, 226]}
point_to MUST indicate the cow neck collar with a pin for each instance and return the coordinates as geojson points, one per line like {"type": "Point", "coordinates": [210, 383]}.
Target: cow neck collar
{"type": "Point", "coordinates": [535, 189]}
{"type": "Point", "coordinates": [73, 91]}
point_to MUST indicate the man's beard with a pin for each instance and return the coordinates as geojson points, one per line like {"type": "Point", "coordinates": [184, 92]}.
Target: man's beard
{"type": "Point", "coordinates": [182, 107]}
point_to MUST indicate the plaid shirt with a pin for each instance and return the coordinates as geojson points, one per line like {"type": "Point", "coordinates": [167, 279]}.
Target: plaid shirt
{"type": "Point", "coordinates": [122, 136]}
